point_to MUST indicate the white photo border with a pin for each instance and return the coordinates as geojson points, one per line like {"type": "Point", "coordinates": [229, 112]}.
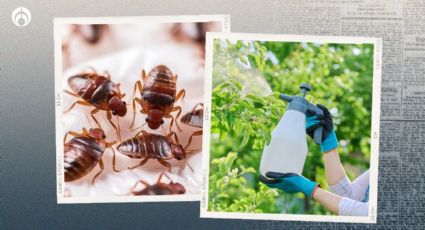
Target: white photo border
{"type": "Point", "coordinates": [58, 23]}
{"type": "Point", "coordinates": [374, 156]}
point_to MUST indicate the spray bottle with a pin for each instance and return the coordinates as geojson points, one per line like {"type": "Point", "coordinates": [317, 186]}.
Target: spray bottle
{"type": "Point", "coordinates": [287, 150]}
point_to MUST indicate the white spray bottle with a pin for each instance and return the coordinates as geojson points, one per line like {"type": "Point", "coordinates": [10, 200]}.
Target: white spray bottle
{"type": "Point", "coordinates": [288, 149]}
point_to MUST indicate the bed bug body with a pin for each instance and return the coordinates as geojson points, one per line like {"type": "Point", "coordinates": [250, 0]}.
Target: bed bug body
{"type": "Point", "coordinates": [158, 94]}
{"type": "Point", "coordinates": [83, 152]}
{"type": "Point", "coordinates": [98, 91]}
{"type": "Point", "coordinates": [159, 188]}
{"type": "Point", "coordinates": [194, 118]}
{"type": "Point", "coordinates": [152, 146]}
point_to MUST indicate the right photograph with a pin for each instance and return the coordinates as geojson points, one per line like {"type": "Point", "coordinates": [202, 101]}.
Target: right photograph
{"type": "Point", "coordinates": [293, 127]}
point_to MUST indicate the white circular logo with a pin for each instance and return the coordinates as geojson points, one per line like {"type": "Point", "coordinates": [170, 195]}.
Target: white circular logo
{"type": "Point", "coordinates": [21, 16]}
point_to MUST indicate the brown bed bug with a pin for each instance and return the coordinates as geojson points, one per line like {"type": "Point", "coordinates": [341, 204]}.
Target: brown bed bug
{"type": "Point", "coordinates": [159, 188]}
{"type": "Point", "coordinates": [99, 91]}
{"type": "Point", "coordinates": [83, 152]}
{"type": "Point", "coordinates": [194, 118]}
{"type": "Point", "coordinates": [147, 146]}
{"type": "Point", "coordinates": [158, 94]}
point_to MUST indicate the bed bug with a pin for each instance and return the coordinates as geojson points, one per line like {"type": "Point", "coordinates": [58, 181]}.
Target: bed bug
{"type": "Point", "coordinates": [158, 94]}
{"type": "Point", "coordinates": [159, 188]}
{"type": "Point", "coordinates": [83, 152]}
{"type": "Point", "coordinates": [147, 146]}
{"type": "Point", "coordinates": [92, 34]}
{"type": "Point", "coordinates": [99, 91]}
{"type": "Point", "coordinates": [194, 118]}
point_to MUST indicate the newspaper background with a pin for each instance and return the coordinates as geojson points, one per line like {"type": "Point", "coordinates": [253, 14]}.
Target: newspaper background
{"type": "Point", "coordinates": [401, 24]}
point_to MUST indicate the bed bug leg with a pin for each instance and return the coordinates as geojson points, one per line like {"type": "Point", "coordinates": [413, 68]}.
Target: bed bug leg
{"type": "Point", "coordinates": [166, 164]}
{"type": "Point", "coordinates": [72, 133]}
{"type": "Point", "coordinates": [75, 103]}
{"type": "Point", "coordinates": [109, 116]}
{"type": "Point", "coordinates": [138, 100]}
{"type": "Point", "coordinates": [101, 170]}
{"type": "Point", "coordinates": [181, 94]}
{"type": "Point", "coordinates": [140, 164]}
{"type": "Point", "coordinates": [197, 133]}
{"type": "Point", "coordinates": [71, 93]}
{"type": "Point", "coordinates": [179, 109]}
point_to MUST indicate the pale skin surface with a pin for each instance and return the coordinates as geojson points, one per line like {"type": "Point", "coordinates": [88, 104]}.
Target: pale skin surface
{"type": "Point", "coordinates": [334, 172]}
{"type": "Point", "coordinates": [327, 199]}
{"type": "Point", "coordinates": [333, 168]}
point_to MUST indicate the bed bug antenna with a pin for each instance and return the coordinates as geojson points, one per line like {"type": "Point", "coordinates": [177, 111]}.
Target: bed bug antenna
{"type": "Point", "coordinates": [141, 127]}
{"type": "Point", "coordinates": [119, 129]}
{"type": "Point", "coordinates": [192, 151]}
{"type": "Point", "coordinates": [187, 163]}
{"type": "Point", "coordinates": [185, 159]}
{"type": "Point", "coordinates": [132, 130]}
{"type": "Point", "coordinates": [88, 119]}
{"type": "Point", "coordinates": [165, 174]}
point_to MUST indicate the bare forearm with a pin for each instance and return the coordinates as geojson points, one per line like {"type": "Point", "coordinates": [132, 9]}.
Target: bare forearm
{"type": "Point", "coordinates": [340, 205]}
{"type": "Point", "coordinates": [327, 199]}
{"type": "Point", "coordinates": [333, 169]}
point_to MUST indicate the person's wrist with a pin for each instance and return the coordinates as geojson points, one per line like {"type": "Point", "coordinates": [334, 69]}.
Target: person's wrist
{"type": "Point", "coordinates": [329, 143]}
{"type": "Point", "coordinates": [311, 187]}
{"type": "Point", "coordinates": [316, 192]}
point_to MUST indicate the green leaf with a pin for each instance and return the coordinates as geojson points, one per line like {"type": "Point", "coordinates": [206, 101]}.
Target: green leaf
{"type": "Point", "coordinates": [245, 138]}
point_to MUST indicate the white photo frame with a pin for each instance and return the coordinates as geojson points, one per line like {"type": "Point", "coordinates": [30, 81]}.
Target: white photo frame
{"type": "Point", "coordinates": [62, 196]}
{"type": "Point", "coordinates": [374, 159]}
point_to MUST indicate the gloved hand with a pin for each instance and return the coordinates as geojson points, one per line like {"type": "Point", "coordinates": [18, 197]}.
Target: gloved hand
{"type": "Point", "coordinates": [329, 140]}
{"type": "Point", "coordinates": [289, 182]}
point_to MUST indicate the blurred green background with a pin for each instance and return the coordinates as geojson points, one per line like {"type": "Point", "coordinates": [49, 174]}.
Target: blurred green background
{"type": "Point", "coordinates": [247, 79]}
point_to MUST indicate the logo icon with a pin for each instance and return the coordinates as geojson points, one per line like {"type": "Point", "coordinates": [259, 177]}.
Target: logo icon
{"type": "Point", "coordinates": [21, 16]}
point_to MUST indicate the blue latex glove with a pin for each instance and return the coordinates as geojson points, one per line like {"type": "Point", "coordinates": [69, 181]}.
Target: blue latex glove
{"type": "Point", "coordinates": [329, 140]}
{"type": "Point", "coordinates": [289, 182]}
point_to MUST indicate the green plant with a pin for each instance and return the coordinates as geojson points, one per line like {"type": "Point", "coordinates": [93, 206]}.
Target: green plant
{"type": "Point", "coordinates": [228, 189]}
{"type": "Point", "coordinates": [233, 111]}
{"type": "Point", "coordinates": [247, 78]}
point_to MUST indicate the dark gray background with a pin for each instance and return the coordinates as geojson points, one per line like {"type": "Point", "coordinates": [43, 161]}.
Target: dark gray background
{"type": "Point", "coordinates": [28, 173]}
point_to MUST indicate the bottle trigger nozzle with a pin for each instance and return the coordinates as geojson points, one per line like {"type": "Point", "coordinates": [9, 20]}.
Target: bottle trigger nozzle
{"type": "Point", "coordinates": [305, 88]}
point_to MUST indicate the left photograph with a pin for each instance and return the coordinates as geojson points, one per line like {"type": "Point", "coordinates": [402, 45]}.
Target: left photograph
{"type": "Point", "coordinates": [129, 107]}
